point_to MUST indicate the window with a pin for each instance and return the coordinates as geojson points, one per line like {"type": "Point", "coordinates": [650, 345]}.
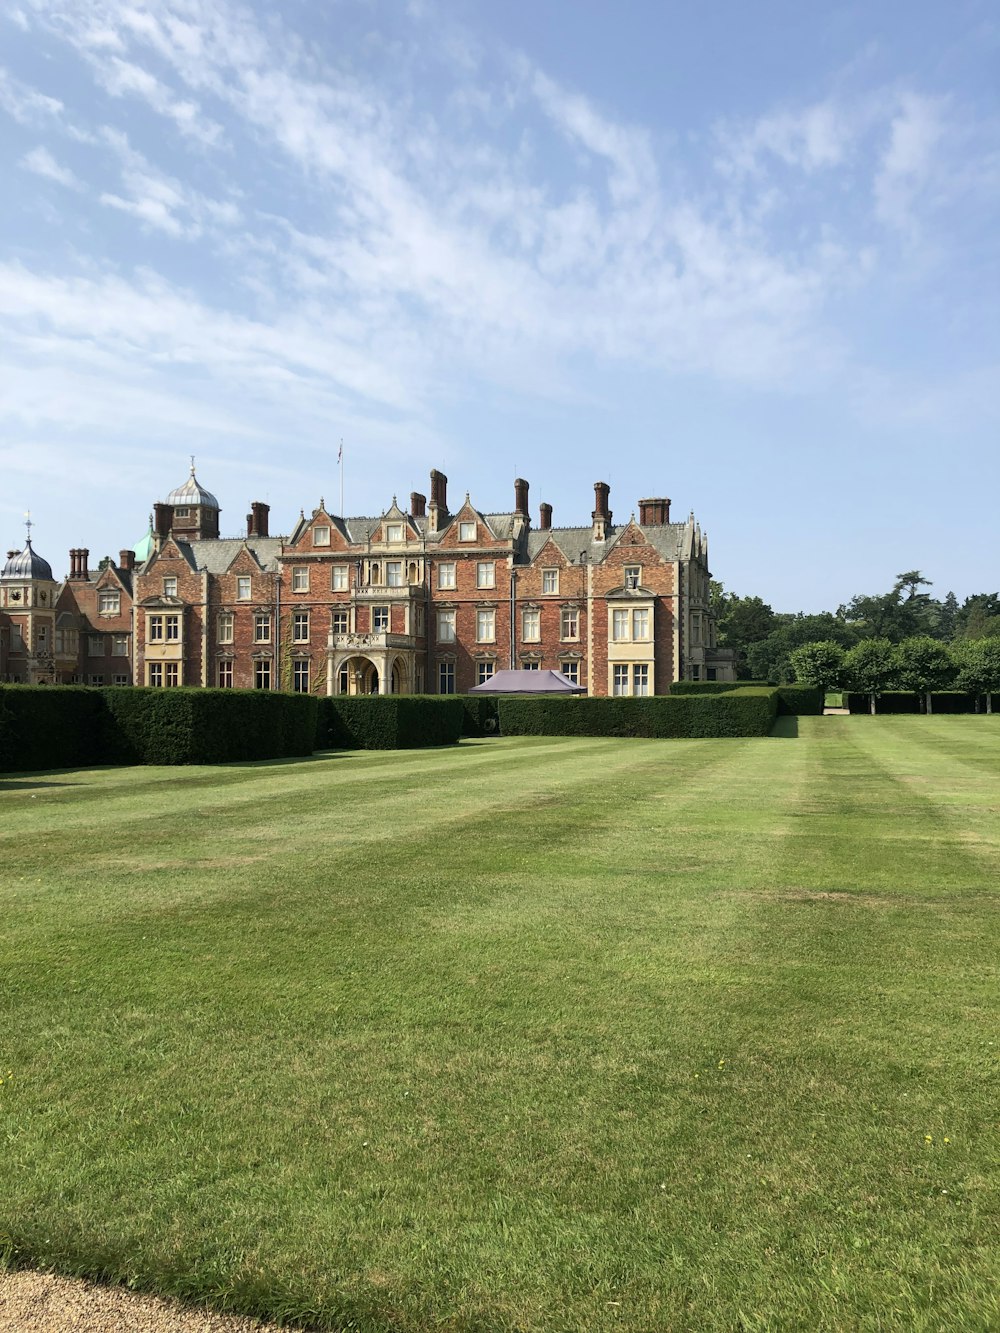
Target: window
{"type": "Point", "coordinates": [300, 578]}
{"type": "Point", "coordinates": [529, 666]}
{"type": "Point", "coordinates": [486, 626]}
{"type": "Point", "coordinates": [550, 580]}
{"type": "Point", "coordinates": [696, 627]}
{"type": "Point", "coordinates": [394, 532]}
{"type": "Point", "coordinates": [619, 684]}
{"type": "Point", "coordinates": [619, 626]}
{"type": "Point", "coordinates": [119, 645]}
{"type": "Point", "coordinates": [633, 576]}
{"type": "Point", "coordinates": [446, 627]}
{"type": "Point", "coordinates": [42, 636]}
{"type": "Point", "coordinates": [485, 671]}
{"type": "Point", "coordinates": [262, 674]}
{"type": "Point", "coordinates": [640, 625]}
{"type": "Point", "coordinates": [446, 678]}
{"type": "Point", "coordinates": [96, 680]}
{"type": "Point", "coordinates": [182, 512]}
{"type": "Point", "coordinates": [696, 673]}
{"type": "Point", "coordinates": [170, 586]}
{"type": "Point", "coordinates": [341, 621]}
{"type": "Point", "coordinates": [155, 670]}
{"type": "Point", "coordinates": [155, 629]}
{"type": "Point", "coordinates": [446, 575]}
{"type": "Point", "coordinates": [262, 628]}
{"type": "Point", "coordinates": [711, 674]}
{"type": "Point", "coordinates": [640, 678]}
{"type": "Point", "coordinates": [338, 578]}
{"type": "Point", "coordinates": [344, 680]}
{"type": "Point", "coordinates": [321, 535]}
{"type": "Point", "coordinates": [394, 573]}
{"type": "Point", "coordinates": [225, 675]}
{"type": "Point", "coordinates": [109, 603]}
{"type": "Point", "coordinates": [466, 532]}
{"type": "Point", "coordinates": [571, 670]}
{"type": "Point", "coordinates": [569, 623]}
{"type": "Point", "coordinates": [171, 674]}
{"type": "Point", "coordinates": [380, 620]}
{"type": "Point", "coordinates": [95, 645]}
{"type": "Point", "coordinates": [420, 620]}
{"type": "Point", "coordinates": [300, 676]}
{"type": "Point", "coordinates": [119, 680]}
{"type": "Point", "coordinates": [486, 574]}
{"type": "Point", "coordinates": [243, 591]}
{"type": "Point", "coordinates": [172, 627]}
{"type": "Point", "coordinates": [224, 627]}
{"type": "Point", "coordinates": [300, 627]}
{"type": "Point", "coordinates": [531, 622]}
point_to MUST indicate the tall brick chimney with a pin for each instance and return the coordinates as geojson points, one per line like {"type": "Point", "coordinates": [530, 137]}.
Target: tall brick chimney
{"type": "Point", "coordinates": [257, 519]}
{"type": "Point", "coordinates": [418, 504]}
{"type": "Point", "coordinates": [126, 561]}
{"type": "Point", "coordinates": [82, 563]}
{"type": "Point", "coordinates": [654, 512]}
{"type": "Point", "coordinates": [521, 496]}
{"type": "Point", "coordinates": [72, 561]}
{"type": "Point", "coordinates": [163, 519]}
{"type": "Point", "coordinates": [602, 514]}
{"type": "Point", "coordinates": [439, 500]}
{"type": "Point", "coordinates": [544, 517]}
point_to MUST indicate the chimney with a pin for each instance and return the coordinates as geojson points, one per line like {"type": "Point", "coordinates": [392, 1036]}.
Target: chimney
{"type": "Point", "coordinates": [72, 561]}
{"type": "Point", "coordinates": [521, 497]}
{"type": "Point", "coordinates": [439, 500]}
{"type": "Point", "coordinates": [83, 556]}
{"type": "Point", "coordinates": [163, 519]}
{"type": "Point", "coordinates": [656, 513]}
{"type": "Point", "coordinates": [126, 561]}
{"type": "Point", "coordinates": [544, 517]}
{"type": "Point", "coordinates": [257, 519]}
{"type": "Point", "coordinates": [602, 514]}
{"type": "Point", "coordinates": [418, 505]}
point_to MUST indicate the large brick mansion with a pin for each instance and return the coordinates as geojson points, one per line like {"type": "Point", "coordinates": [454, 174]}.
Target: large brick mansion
{"type": "Point", "coordinates": [424, 600]}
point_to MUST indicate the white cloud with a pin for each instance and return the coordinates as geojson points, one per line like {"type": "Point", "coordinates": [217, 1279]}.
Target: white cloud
{"type": "Point", "coordinates": [42, 163]}
{"type": "Point", "coordinates": [26, 105]}
{"type": "Point", "coordinates": [809, 138]}
{"type": "Point", "coordinates": [124, 78]}
{"type": "Point", "coordinates": [908, 162]}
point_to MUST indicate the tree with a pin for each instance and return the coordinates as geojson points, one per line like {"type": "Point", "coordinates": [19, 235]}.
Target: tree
{"type": "Point", "coordinates": [925, 665]}
{"type": "Point", "coordinates": [819, 663]}
{"type": "Point", "coordinates": [891, 615]}
{"type": "Point", "coordinates": [870, 668]}
{"type": "Point", "coordinates": [979, 617]}
{"type": "Point", "coordinates": [770, 659]}
{"type": "Point", "coordinates": [742, 621]}
{"type": "Point", "coordinates": [978, 663]}
{"type": "Point", "coordinates": [948, 611]}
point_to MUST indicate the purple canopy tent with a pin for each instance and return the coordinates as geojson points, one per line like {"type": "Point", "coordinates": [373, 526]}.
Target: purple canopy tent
{"type": "Point", "coordinates": [528, 682]}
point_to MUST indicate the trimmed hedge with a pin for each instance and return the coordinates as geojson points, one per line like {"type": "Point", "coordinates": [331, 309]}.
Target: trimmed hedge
{"type": "Point", "coordinates": [900, 701]}
{"type": "Point", "coordinates": [792, 699]}
{"type": "Point", "coordinates": [481, 717]}
{"type": "Point", "coordinates": [49, 726]}
{"type": "Point", "coordinates": [389, 721]}
{"type": "Point", "coordinates": [801, 700]}
{"type": "Point", "coordinates": [713, 686]}
{"type": "Point", "coordinates": [63, 726]}
{"type": "Point", "coordinates": [739, 712]}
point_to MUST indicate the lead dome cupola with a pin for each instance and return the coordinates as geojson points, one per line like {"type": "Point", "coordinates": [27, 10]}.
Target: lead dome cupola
{"type": "Point", "coordinates": [26, 564]}
{"type": "Point", "coordinates": [191, 494]}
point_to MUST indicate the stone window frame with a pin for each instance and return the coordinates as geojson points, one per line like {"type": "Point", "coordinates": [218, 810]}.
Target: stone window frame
{"type": "Point", "coordinates": [550, 574]}
{"type": "Point", "coordinates": [109, 602]}
{"type": "Point", "coordinates": [321, 534]}
{"type": "Point", "coordinates": [300, 578]}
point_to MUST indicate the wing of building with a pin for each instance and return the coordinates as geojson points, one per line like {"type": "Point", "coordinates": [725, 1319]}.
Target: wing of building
{"type": "Point", "coordinates": [422, 600]}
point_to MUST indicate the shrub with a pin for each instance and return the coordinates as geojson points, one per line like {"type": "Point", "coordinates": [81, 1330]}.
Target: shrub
{"type": "Point", "coordinates": [711, 686]}
{"type": "Point", "coordinates": [925, 665]}
{"type": "Point", "coordinates": [801, 700]}
{"type": "Point", "coordinates": [819, 663]}
{"type": "Point", "coordinates": [49, 726]}
{"type": "Point", "coordinates": [737, 712]}
{"type": "Point", "coordinates": [480, 717]}
{"type": "Point", "coordinates": [389, 721]}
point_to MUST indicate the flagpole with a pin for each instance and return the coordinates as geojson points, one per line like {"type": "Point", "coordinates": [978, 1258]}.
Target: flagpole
{"type": "Point", "coordinates": [340, 459]}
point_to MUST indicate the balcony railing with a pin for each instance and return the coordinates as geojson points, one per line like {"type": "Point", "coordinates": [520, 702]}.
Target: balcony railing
{"type": "Point", "coordinates": [377, 639]}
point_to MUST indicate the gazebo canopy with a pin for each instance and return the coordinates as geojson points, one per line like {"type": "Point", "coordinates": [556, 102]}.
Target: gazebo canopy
{"type": "Point", "coordinates": [528, 682]}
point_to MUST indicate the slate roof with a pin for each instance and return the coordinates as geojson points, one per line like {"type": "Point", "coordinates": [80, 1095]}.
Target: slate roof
{"type": "Point", "coordinates": [216, 554]}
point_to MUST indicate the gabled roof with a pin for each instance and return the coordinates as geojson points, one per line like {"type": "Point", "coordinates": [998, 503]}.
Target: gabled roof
{"type": "Point", "coordinates": [216, 554]}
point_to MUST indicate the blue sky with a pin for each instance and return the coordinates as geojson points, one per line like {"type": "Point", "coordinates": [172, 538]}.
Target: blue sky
{"type": "Point", "coordinates": [742, 255]}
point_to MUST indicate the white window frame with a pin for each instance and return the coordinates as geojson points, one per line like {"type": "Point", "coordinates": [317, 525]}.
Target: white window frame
{"type": "Point", "coordinates": [321, 535]}
{"type": "Point", "coordinates": [486, 625]}
{"type": "Point", "coordinates": [446, 677]}
{"type": "Point", "coordinates": [394, 533]}
{"type": "Point", "coordinates": [224, 627]}
{"type": "Point", "coordinates": [119, 645]}
{"type": "Point", "coordinates": [620, 676]}
{"type": "Point", "coordinates": [571, 670]}
{"type": "Point", "coordinates": [300, 626]}
{"type": "Point", "coordinates": [225, 674]}
{"type": "Point", "coordinates": [569, 624]}
{"type": "Point", "coordinates": [244, 588]}
{"type": "Point", "coordinates": [262, 673]}
{"type": "Point", "coordinates": [446, 572]}
{"type": "Point", "coordinates": [486, 574]}
{"type": "Point", "coordinates": [382, 614]}
{"type": "Point", "coordinates": [446, 626]}
{"type": "Point", "coordinates": [170, 585]}
{"type": "Point", "coordinates": [621, 624]}
{"type": "Point", "coordinates": [633, 576]}
{"type": "Point", "coordinates": [262, 627]}
{"type": "Point", "coordinates": [339, 579]}
{"type": "Point", "coordinates": [640, 625]}
{"type": "Point", "coordinates": [467, 531]}
{"type": "Point", "coordinates": [172, 629]}
{"type": "Point", "coordinates": [485, 671]}
{"type": "Point", "coordinates": [346, 623]}
{"type": "Point", "coordinates": [394, 574]}
{"type": "Point", "coordinates": [95, 645]}
{"type": "Point", "coordinates": [640, 679]}
{"type": "Point", "coordinates": [550, 581]}
{"type": "Point", "coordinates": [300, 675]}
{"type": "Point", "coordinates": [109, 602]}
{"type": "Point", "coordinates": [531, 625]}
{"type": "Point", "coordinates": [300, 578]}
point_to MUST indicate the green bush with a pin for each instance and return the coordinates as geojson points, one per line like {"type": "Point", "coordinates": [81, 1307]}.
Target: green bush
{"type": "Point", "coordinates": [203, 726]}
{"type": "Point", "coordinates": [480, 714]}
{"type": "Point", "coordinates": [49, 726]}
{"type": "Point", "coordinates": [389, 721]}
{"type": "Point", "coordinates": [739, 711]}
{"type": "Point", "coordinates": [800, 700]}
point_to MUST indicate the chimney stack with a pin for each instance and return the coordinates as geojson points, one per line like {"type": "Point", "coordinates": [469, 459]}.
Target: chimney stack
{"type": "Point", "coordinates": [257, 519]}
{"type": "Point", "coordinates": [544, 517]}
{"type": "Point", "coordinates": [654, 512]}
{"type": "Point", "coordinates": [602, 514]}
{"type": "Point", "coordinates": [418, 505]}
{"type": "Point", "coordinates": [72, 561]}
{"type": "Point", "coordinates": [163, 519]}
{"type": "Point", "coordinates": [126, 561]}
{"type": "Point", "coordinates": [521, 497]}
{"type": "Point", "coordinates": [83, 557]}
{"type": "Point", "coordinates": [439, 500]}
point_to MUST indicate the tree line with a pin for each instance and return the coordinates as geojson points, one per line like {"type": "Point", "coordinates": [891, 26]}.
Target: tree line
{"type": "Point", "coordinates": [764, 639]}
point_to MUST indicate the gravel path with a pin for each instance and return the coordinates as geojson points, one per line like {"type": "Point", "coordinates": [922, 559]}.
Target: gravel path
{"type": "Point", "coordinates": [41, 1303]}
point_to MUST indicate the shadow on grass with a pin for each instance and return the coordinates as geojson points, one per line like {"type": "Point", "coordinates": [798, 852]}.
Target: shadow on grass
{"type": "Point", "coordinates": [785, 728]}
{"type": "Point", "coordinates": [19, 784]}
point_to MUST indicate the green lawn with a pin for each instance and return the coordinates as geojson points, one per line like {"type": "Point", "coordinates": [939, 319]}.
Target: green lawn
{"type": "Point", "coordinates": [532, 1034]}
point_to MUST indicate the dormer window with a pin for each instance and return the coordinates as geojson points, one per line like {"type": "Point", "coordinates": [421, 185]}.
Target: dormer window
{"type": "Point", "coordinates": [109, 603]}
{"type": "Point", "coordinates": [394, 532]}
{"type": "Point", "coordinates": [466, 532]}
{"type": "Point", "coordinates": [321, 535]}
{"type": "Point", "coordinates": [633, 576]}
{"type": "Point", "coordinates": [170, 586]}
{"type": "Point", "coordinates": [182, 511]}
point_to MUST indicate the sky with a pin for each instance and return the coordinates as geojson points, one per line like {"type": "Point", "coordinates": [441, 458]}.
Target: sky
{"type": "Point", "coordinates": [744, 256]}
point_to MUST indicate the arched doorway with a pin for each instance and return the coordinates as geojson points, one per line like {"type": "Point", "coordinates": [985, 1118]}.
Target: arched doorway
{"type": "Point", "coordinates": [357, 676]}
{"type": "Point", "coordinates": [397, 679]}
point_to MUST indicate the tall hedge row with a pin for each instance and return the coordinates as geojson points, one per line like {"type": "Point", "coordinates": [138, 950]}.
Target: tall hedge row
{"type": "Point", "coordinates": [898, 701]}
{"type": "Point", "coordinates": [739, 712]}
{"type": "Point", "coordinates": [710, 686]}
{"type": "Point", "coordinates": [72, 727]}
{"type": "Point", "coordinates": [792, 699]}
{"type": "Point", "coordinates": [388, 721]}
